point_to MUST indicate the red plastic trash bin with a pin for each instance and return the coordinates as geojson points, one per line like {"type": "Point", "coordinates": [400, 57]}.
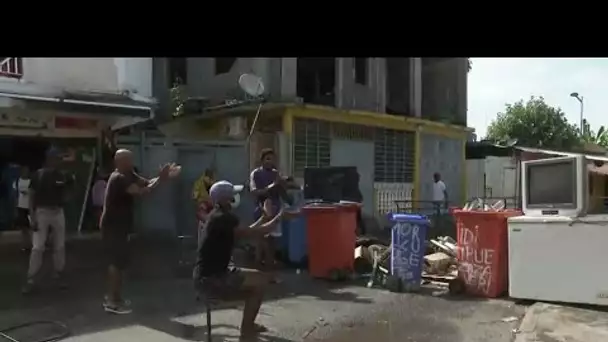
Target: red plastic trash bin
{"type": "Point", "coordinates": [331, 238]}
{"type": "Point", "coordinates": [483, 251]}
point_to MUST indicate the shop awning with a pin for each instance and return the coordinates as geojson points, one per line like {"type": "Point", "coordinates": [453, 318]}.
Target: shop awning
{"type": "Point", "coordinates": [87, 102]}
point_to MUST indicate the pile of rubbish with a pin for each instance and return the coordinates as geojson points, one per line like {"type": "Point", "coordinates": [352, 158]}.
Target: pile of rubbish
{"type": "Point", "coordinates": [440, 264]}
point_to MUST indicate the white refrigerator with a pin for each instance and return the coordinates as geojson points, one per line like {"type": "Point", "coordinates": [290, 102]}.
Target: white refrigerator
{"type": "Point", "coordinates": [561, 259]}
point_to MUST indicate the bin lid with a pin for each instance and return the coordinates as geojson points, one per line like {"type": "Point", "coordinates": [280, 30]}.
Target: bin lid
{"type": "Point", "coordinates": [320, 207]}
{"type": "Point", "coordinates": [342, 206]}
{"type": "Point", "coordinates": [499, 214]}
{"type": "Point", "coordinates": [409, 218]}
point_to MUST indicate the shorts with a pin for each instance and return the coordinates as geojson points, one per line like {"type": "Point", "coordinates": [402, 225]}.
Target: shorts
{"type": "Point", "coordinates": [116, 247]}
{"type": "Point", "coordinates": [23, 218]}
{"type": "Point", "coordinates": [275, 208]}
{"type": "Point", "coordinates": [226, 286]}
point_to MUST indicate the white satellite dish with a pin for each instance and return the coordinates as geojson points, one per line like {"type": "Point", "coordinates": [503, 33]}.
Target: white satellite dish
{"type": "Point", "coordinates": [251, 84]}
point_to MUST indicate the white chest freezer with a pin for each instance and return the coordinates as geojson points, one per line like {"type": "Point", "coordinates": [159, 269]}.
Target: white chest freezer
{"type": "Point", "coordinates": [562, 259]}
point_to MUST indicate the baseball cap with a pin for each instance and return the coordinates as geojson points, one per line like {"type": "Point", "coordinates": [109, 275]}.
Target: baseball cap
{"type": "Point", "coordinates": [223, 190]}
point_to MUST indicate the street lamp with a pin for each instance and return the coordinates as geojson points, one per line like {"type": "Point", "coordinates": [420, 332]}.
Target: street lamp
{"type": "Point", "coordinates": [580, 99]}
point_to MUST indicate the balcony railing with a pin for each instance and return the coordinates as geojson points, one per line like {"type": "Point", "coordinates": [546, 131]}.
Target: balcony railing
{"type": "Point", "coordinates": [11, 67]}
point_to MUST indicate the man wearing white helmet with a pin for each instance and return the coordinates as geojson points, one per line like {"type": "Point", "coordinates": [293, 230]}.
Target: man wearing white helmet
{"type": "Point", "coordinates": [212, 273]}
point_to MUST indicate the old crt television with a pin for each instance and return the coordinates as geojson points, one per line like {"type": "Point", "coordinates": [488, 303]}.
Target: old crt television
{"type": "Point", "coordinates": [555, 186]}
{"type": "Point", "coordinates": [331, 184]}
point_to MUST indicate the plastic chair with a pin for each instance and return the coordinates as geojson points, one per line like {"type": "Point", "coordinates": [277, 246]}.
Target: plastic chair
{"type": "Point", "coordinates": [208, 301]}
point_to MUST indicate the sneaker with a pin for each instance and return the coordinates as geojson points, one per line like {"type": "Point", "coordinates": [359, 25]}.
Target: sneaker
{"type": "Point", "coordinates": [117, 309]}
{"type": "Point", "coordinates": [28, 288]}
{"type": "Point", "coordinates": [124, 302]}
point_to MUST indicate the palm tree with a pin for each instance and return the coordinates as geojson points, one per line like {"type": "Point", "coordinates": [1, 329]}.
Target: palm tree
{"type": "Point", "coordinates": [600, 138]}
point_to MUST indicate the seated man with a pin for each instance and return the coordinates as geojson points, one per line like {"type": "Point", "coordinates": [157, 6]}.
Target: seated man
{"type": "Point", "coordinates": [212, 273]}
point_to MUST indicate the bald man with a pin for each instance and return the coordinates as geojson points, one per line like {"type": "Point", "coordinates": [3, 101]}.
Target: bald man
{"type": "Point", "coordinates": [117, 222]}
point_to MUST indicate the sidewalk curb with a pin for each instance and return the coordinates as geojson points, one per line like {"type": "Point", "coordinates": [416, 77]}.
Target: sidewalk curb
{"type": "Point", "coordinates": [527, 328]}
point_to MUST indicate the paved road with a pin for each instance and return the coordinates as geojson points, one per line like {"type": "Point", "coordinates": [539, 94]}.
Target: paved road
{"type": "Point", "coordinates": [301, 309]}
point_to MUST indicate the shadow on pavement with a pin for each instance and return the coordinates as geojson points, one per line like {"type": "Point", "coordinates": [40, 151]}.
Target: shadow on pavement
{"type": "Point", "coordinates": [158, 295]}
{"type": "Point", "coordinates": [443, 293]}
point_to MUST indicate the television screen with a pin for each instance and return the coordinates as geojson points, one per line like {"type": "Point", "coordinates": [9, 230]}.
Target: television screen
{"type": "Point", "coordinates": [331, 184]}
{"type": "Point", "coordinates": [552, 183]}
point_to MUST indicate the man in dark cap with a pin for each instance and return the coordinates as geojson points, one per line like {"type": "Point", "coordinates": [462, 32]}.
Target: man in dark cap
{"type": "Point", "coordinates": [48, 188]}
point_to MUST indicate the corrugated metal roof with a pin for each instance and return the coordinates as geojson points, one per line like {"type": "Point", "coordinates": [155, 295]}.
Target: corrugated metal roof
{"type": "Point", "coordinates": [562, 153]}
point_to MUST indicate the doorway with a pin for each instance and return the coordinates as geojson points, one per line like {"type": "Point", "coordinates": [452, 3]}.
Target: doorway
{"type": "Point", "coordinates": [15, 153]}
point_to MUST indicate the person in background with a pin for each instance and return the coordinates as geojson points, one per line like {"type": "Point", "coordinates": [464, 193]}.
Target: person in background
{"type": "Point", "coordinates": [440, 194]}
{"type": "Point", "coordinates": [98, 194]}
{"type": "Point", "coordinates": [200, 190]}
{"type": "Point", "coordinates": [359, 199]}
{"type": "Point", "coordinates": [49, 189]}
{"type": "Point", "coordinates": [117, 221]}
{"type": "Point", "coordinates": [22, 220]}
{"type": "Point", "coordinates": [212, 274]}
{"type": "Point", "coordinates": [264, 183]}
{"type": "Point", "coordinates": [200, 195]}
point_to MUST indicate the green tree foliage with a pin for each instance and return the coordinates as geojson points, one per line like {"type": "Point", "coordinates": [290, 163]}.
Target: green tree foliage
{"type": "Point", "coordinates": [589, 136]}
{"type": "Point", "coordinates": [534, 124]}
{"type": "Point", "coordinates": [177, 99]}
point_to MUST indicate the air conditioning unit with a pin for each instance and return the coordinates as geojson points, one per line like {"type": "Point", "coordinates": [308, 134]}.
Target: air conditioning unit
{"type": "Point", "coordinates": [236, 127]}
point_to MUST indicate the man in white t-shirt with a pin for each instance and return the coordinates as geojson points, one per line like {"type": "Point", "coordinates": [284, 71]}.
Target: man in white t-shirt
{"type": "Point", "coordinates": [440, 193]}
{"type": "Point", "coordinates": [22, 221]}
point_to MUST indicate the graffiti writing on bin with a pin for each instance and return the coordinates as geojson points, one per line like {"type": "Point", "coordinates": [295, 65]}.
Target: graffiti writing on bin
{"type": "Point", "coordinates": [406, 251]}
{"type": "Point", "coordinates": [475, 260]}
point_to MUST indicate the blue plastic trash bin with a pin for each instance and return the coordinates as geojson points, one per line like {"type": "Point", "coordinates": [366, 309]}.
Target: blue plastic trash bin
{"type": "Point", "coordinates": [294, 237]}
{"type": "Point", "coordinates": [295, 240]}
{"type": "Point", "coordinates": [408, 248]}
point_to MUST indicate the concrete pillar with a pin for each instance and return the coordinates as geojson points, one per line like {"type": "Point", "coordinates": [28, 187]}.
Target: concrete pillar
{"type": "Point", "coordinates": [289, 76]}
{"type": "Point", "coordinates": [200, 71]}
{"type": "Point", "coordinates": [372, 85]}
{"type": "Point", "coordinates": [416, 86]}
{"type": "Point", "coordinates": [261, 67]}
{"type": "Point", "coordinates": [381, 84]}
{"type": "Point", "coordinates": [463, 75]}
{"type": "Point", "coordinates": [339, 88]}
{"type": "Point", "coordinates": [273, 84]}
{"type": "Point", "coordinates": [347, 93]}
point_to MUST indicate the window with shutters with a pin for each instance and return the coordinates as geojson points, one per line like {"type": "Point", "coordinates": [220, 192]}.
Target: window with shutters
{"type": "Point", "coordinates": [311, 146]}
{"type": "Point", "coordinates": [394, 156]}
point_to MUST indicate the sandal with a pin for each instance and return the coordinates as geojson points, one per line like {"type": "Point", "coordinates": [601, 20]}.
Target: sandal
{"type": "Point", "coordinates": [253, 335]}
{"type": "Point", "coordinates": [259, 328]}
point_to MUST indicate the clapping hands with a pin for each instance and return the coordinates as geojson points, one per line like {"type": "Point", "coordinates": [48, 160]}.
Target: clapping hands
{"type": "Point", "coordinates": [169, 170]}
{"type": "Point", "coordinates": [163, 173]}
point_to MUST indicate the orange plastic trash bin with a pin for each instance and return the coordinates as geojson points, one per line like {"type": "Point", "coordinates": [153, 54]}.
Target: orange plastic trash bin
{"type": "Point", "coordinates": [331, 239]}
{"type": "Point", "coordinates": [483, 251]}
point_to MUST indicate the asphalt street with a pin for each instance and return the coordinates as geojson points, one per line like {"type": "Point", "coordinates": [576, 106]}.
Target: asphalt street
{"type": "Point", "coordinates": [299, 309]}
